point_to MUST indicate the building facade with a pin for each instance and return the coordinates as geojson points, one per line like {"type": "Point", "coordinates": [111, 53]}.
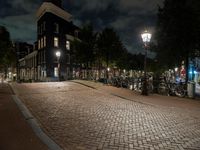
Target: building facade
{"type": "Point", "coordinates": [55, 32]}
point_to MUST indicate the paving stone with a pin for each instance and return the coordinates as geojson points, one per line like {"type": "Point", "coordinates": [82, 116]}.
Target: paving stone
{"type": "Point", "coordinates": [78, 117]}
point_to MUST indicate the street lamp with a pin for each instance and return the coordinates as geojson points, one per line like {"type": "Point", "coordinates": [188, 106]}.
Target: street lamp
{"type": "Point", "coordinates": [146, 37]}
{"type": "Point", "coordinates": [58, 54]}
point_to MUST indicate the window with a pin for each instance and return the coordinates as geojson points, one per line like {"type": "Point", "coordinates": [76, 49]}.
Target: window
{"type": "Point", "coordinates": [55, 41]}
{"type": "Point", "coordinates": [38, 44]}
{"type": "Point", "coordinates": [44, 26]}
{"type": "Point", "coordinates": [76, 33]}
{"type": "Point", "coordinates": [41, 29]}
{"type": "Point", "coordinates": [44, 56]}
{"type": "Point", "coordinates": [38, 29]}
{"type": "Point", "coordinates": [41, 57]}
{"type": "Point", "coordinates": [44, 39]}
{"type": "Point", "coordinates": [55, 71]}
{"type": "Point", "coordinates": [42, 43]}
{"type": "Point", "coordinates": [67, 45]}
{"type": "Point", "coordinates": [68, 59]}
{"type": "Point", "coordinates": [56, 28]}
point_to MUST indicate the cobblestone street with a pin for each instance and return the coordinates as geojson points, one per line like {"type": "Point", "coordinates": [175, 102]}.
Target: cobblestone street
{"type": "Point", "coordinates": [81, 118]}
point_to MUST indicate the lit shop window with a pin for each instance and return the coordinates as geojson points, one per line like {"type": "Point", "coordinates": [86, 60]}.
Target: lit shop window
{"type": "Point", "coordinates": [55, 41]}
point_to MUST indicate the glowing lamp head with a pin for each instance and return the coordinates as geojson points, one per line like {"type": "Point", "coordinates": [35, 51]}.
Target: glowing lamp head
{"type": "Point", "coordinates": [146, 36]}
{"type": "Point", "coordinates": [58, 54]}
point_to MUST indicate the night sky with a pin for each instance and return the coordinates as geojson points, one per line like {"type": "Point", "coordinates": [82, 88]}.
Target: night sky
{"type": "Point", "coordinates": [128, 17]}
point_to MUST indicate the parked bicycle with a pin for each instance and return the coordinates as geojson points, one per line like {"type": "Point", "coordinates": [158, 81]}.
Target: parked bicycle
{"type": "Point", "coordinates": [172, 89]}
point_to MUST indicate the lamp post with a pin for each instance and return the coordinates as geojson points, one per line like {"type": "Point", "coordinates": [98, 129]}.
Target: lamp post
{"type": "Point", "coordinates": [58, 54]}
{"type": "Point", "coordinates": [146, 37]}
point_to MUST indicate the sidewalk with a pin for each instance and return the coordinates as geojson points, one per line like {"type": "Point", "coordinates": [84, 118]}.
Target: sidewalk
{"type": "Point", "coordinates": [15, 132]}
{"type": "Point", "coordinates": [152, 99]}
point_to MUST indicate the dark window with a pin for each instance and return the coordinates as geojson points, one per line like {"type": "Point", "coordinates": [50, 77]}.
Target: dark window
{"type": "Point", "coordinates": [56, 28]}
{"type": "Point", "coordinates": [68, 59]}
{"type": "Point", "coordinates": [44, 26]}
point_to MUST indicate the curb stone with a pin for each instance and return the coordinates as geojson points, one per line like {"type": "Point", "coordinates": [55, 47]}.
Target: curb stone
{"type": "Point", "coordinates": [35, 126]}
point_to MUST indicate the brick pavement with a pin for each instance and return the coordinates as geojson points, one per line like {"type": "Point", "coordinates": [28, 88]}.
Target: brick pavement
{"type": "Point", "coordinates": [152, 99]}
{"type": "Point", "coordinates": [15, 132]}
{"type": "Point", "coordinates": [81, 118]}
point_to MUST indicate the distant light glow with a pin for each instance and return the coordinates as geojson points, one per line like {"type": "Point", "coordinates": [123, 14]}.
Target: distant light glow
{"type": "Point", "coordinates": [193, 72]}
{"type": "Point", "coordinates": [176, 69]}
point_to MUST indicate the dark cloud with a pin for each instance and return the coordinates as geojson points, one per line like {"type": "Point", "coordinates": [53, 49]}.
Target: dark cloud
{"type": "Point", "coordinates": [128, 17]}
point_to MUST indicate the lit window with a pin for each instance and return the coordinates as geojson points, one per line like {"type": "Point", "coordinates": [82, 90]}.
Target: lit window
{"type": "Point", "coordinates": [55, 72]}
{"type": "Point", "coordinates": [55, 42]}
{"type": "Point", "coordinates": [56, 28]}
{"type": "Point", "coordinates": [67, 45]}
{"type": "Point", "coordinates": [44, 41]}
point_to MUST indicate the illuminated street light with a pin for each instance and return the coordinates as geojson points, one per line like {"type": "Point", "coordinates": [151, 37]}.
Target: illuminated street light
{"type": "Point", "coordinates": [146, 38]}
{"type": "Point", "coordinates": [58, 54]}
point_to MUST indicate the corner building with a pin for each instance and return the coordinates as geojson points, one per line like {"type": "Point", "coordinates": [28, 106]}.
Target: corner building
{"type": "Point", "coordinates": [55, 32]}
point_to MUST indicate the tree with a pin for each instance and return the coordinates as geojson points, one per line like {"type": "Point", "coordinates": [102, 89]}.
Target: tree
{"type": "Point", "coordinates": [7, 54]}
{"type": "Point", "coordinates": [178, 31]}
{"type": "Point", "coordinates": [84, 49]}
{"type": "Point", "coordinates": [111, 49]}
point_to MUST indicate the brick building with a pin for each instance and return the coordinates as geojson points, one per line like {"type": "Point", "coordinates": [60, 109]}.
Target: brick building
{"type": "Point", "coordinates": [55, 32]}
